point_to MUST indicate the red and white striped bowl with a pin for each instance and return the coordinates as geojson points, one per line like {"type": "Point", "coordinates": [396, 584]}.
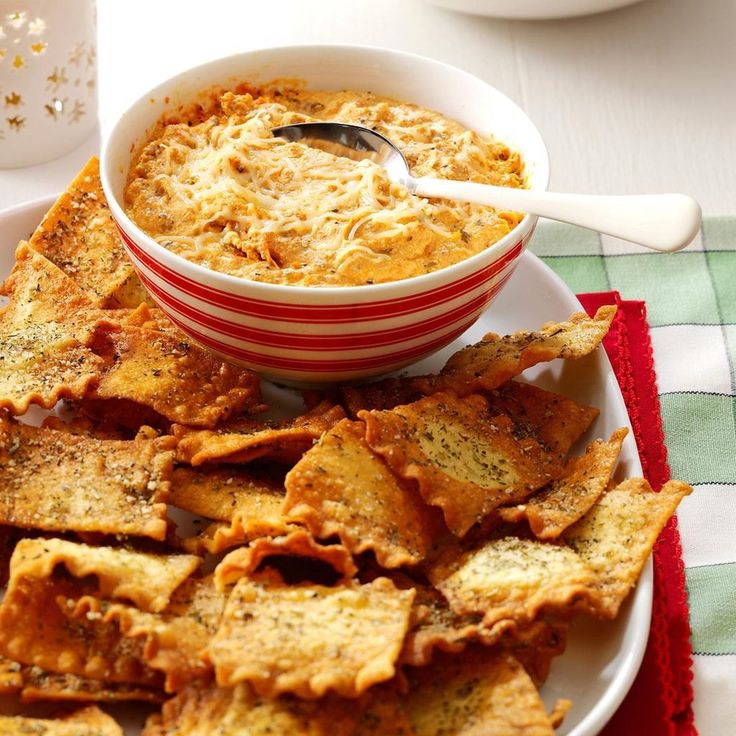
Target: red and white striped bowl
{"type": "Point", "coordinates": [320, 335]}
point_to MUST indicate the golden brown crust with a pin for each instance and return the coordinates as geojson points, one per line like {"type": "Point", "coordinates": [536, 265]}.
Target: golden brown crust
{"type": "Point", "coordinates": [245, 440]}
{"type": "Point", "coordinates": [93, 485]}
{"type": "Point", "coordinates": [202, 709]}
{"type": "Point", "coordinates": [311, 639]}
{"type": "Point", "coordinates": [170, 374]}
{"type": "Point", "coordinates": [495, 359]}
{"type": "Point", "coordinates": [569, 497]}
{"type": "Point", "coordinates": [463, 460]}
{"type": "Point", "coordinates": [297, 543]}
{"type": "Point", "coordinates": [341, 487]}
{"type": "Point", "coordinates": [78, 234]}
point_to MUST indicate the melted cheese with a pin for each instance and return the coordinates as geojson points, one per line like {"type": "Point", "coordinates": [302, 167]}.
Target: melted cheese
{"type": "Point", "coordinates": [227, 194]}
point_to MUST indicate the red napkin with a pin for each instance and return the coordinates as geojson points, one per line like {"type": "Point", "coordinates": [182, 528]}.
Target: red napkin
{"type": "Point", "coordinates": [660, 700]}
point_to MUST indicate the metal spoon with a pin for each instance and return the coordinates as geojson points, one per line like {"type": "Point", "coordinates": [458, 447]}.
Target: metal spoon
{"type": "Point", "coordinates": [665, 222]}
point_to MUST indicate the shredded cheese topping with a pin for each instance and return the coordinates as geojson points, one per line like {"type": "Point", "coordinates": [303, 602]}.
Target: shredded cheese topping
{"type": "Point", "coordinates": [225, 193]}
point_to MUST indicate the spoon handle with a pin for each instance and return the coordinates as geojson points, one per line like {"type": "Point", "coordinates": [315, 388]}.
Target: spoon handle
{"type": "Point", "coordinates": [665, 222]}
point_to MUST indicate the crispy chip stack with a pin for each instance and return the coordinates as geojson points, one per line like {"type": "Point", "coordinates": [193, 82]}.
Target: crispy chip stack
{"type": "Point", "coordinates": [403, 559]}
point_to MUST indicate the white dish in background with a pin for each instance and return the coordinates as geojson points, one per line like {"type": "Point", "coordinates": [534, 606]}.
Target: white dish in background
{"type": "Point", "coordinates": [602, 658]}
{"type": "Point", "coordinates": [532, 9]}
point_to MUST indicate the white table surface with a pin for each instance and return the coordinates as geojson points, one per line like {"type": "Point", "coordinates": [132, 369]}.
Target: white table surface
{"type": "Point", "coordinates": [636, 100]}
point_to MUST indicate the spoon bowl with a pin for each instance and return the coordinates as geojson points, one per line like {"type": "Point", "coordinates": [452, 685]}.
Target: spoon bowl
{"type": "Point", "coordinates": [664, 222]}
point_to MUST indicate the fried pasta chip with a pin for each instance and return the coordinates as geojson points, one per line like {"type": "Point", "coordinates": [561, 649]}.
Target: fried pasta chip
{"type": "Point", "coordinates": [58, 481]}
{"type": "Point", "coordinates": [175, 638]}
{"type": "Point", "coordinates": [147, 580]}
{"type": "Point", "coordinates": [341, 487]}
{"type": "Point", "coordinates": [86, 427]}
{"type": "Point", "coordinates": [51, 615]}
{"type": "Point", "coordinates": [464, 460]}
{"type": "Point", "coordinates": [568, 498]}
{"type": "Point", "coordinates": [482, 692]}
{"type": "Point", "coordinates": [78, 234]}
{"type": "Point", "coordinates": [251, 501]}
{"type": "Point", "coordinates": [89, 721]}
{"type": "Point", "coordinates": [379, 395]}
{"type": "Point", "coordinates": [298, 543]}
{"type": "Point", "coordinates": [616, 536]}
{"type": "Point", "coordinates": [40, 293]}
{"type": "Point", "coordinates": [382, 714]}
{"type": "Point", "coordinates": [38, 684]}
{"type": "Point", "coordinates": [11, 676]}
{"type": "Point", "coordinates": [310, 639]}
{"type": "Point", "coordinates": [495, 359]}
{"type": "Point", "coordinates": [203, 709]}
{"type": "Point", "coordinates": [511, 579]}
{"type": "Point", "coordinates": [172, 375]}
{"type": "Point", "coordinates": [47, 623]}
{"type": "Point", "coordinates": [556, 421]}
{"type": "Point", "coordinates": [129, 295]}
{"type": "Point", "coordinates": [242, 441]}
{"type": "Point", "coordinates": [535, 645]}
{"type": "Point", "coordinates": [438, 627]}
{"type": "Point", "coordinates": [43, 357]}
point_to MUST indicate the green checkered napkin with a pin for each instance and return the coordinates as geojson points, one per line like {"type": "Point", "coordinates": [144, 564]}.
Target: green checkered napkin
{"type": "Point", "coordinates": [691, 307]}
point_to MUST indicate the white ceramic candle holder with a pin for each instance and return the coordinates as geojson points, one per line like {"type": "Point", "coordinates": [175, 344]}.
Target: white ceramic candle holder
{"type": "Point", "coordinates": [48, 78]}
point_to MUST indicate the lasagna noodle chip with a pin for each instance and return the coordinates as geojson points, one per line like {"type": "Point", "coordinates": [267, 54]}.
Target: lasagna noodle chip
{"type": "Point", "coordinates": [86, 427]}
{"type": "Point", "coordinates": [341, 487]}
{"type": "Point", "coordinates": [298, 543]}
{"type": "Point", "coordinates": [568, 498]}
{"type": "Point", "coordinates": [40, 293]}
{"type": "Point", "coordinates": [616, 536]}
{"type": "Point", "coordinates": [247, 440]}
{"type": "Point", "coordinates": [89, 721]}
{"type": "Point", "coordinates": [494, 360]}
{"type": "Point", "coordinates": [202, 710]}
{"type": "Point", "coordinates": [220, 536]}
{"type": "Point", "coordinates": [49, 624]}
{"type": "Point", "coordinates": [51, 615]}
{"type": "Point", "coordinates": [556, 421]}
{"type": "Point", "coordinates": [512, 579]}
{"type": "Point", "coordinates": [227, 493]}
{"type": "Point", "coordinates": [42, 336]}
{"type": "Point", "coordinates": [535, 645]}
{"type": "Point", "coordinates": [464, 460]}
{"type": "Point", "coordinates": [11, 676]}
{"type": "Point", "coordinates": [311, 639]}
{"type": "Point", "coordinates": [481, 692]}
{"type": "Point", "coordinates": [38, 684]}
{"type": "Point", "coordinates": [78, 234]}
{"type": "Point", "coordinates": [379, 395]}
{"type": "Point", "coordinates": [58, 481]}
{"type": "Point", "coordinates": [129, 294]}
{"type": "Point", "coordinates": [170, 374]}
{"type": "Point", "coordinates": [438, 627]}
{"type": "Point", "coordinates": [147, 580]}
{"type": "Point", "coordinates": [382, 714]}
{"type": "Point", "coordinates": [175, 638]}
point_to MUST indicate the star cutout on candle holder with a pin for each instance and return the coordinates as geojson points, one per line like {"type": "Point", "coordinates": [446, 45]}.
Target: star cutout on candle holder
{"type": "Point", "coordinates": [13, 100]}
{"type": "Point", "coordinates": [56, 79]}
{"type": "Point", "coordinates": [17, 19]}
{"type": "Point", "coordinates": [77, 112]}
{"type": "Point", "coordinates": [36, 27]}
{"type": "Point", "coordinates": [76, 54]}
{"type": "Point", "coordinates": [55, 107]}
{"type": "Point", "coordinates": [16, 122]}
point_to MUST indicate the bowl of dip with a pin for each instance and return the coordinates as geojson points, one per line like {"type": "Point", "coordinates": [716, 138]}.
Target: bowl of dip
{"type": "Point", "coordinates": [308, 267]}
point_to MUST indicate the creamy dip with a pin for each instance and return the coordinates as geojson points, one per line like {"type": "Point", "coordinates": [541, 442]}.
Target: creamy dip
{"type": "Point", "coordinates": [223, 192]}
